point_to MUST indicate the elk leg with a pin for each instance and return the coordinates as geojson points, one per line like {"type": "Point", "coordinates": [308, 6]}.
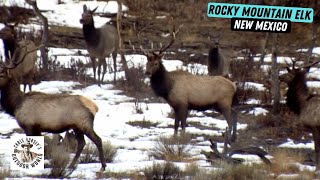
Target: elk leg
{"type": "Point", "coordinates": [97, 141]}
{"type": "Point", "coordinates": [316, 138]}
{"type": "Point", "coordinates": [25, 87]}
{"type": "Point", "coordinates": [80, 146]}
{"type": "Point", "coordinates": [99, 72]}
{"type": "Point", "coordinates": [93, 61]}
{"type": "Point", "coordinates": [114, 57]}
{"type": "Point", "coordinates": [30, 82]}
{"type": "Point", "coordinates": [30, 87]}
{"type": "Point", "coordinates": [181, 114]}
{"type": "Point", "coordinates": [104, 65]}
{"type": "Point", "coordinates": [227, 114]}
{"type": "Point", "coordinates": [234, 115]}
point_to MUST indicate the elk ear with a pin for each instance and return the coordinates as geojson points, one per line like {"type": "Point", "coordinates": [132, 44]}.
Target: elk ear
{"type": "Point", "coordinates": [85, 8]}
{"type": "Point", "coordinates": [94, 10]}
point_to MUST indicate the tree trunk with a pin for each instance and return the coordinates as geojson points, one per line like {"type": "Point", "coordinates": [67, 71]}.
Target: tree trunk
{"type": "Point", "coordinates": [275, 91]}
{"type": "Point", "coordinates": [123, 60]}
{"type": "Point", "coordinates": [45, 35]}
{"type": "Point", "coordinates": [264, 49]}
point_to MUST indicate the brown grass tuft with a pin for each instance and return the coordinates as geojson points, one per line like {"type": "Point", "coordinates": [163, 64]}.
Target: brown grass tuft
{"type": "Point", "coordinates": [90, 153]}
{"type": "Point", "coordinates": [165, 170]}
{"type": "Point", "coordinates": [284, 161]}
{"type": "Point", "coordinates": [172, 149]}
{"type": "Point", "coordinates": [59, 163]}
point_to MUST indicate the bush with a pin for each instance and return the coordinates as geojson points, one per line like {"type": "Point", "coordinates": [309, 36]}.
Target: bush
{"type": "Point", "coordinates": [59, 163]}
{"type": "Point", "coordinates": [172, 149]}
{"type": "Point", "coordinates": [78, 69]}
{"type": "Point", "coordinates": [284, 161]}
{"type": "Point", "coordinates": [90, 153]}
{"type": "Point", "coordinates": [159, 171]}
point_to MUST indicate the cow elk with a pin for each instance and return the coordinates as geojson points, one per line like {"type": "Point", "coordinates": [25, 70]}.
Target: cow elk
{"type": "Point", "coordinates": [184, 91]}
{"type": "Point", "coordinates": [38, 112]}
{"type": "Point", "coordinates": [22, 53]}
{"type": "Point", "coordinates": [101, 42]}
{"type": "Point", "coordinates": [218, 60]}
{"type": "Point", "coordinates": [304, 104]}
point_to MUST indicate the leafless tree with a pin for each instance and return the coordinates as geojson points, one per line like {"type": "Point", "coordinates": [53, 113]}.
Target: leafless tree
{"type": "Point", "coordinates": [45, 35]}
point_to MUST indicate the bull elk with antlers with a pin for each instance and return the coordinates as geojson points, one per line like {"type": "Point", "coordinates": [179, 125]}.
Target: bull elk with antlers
{"type": "Point", "coordinates": [22, 53]}
{"type": "Point", "coordinates": [304, 104]}
{"type": "Point", "coordinates": [38, 112]}
{"type": "Point", "coordinates": [184, 91]}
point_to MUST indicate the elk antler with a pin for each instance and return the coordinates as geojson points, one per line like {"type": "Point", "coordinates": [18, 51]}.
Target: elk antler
{"type": "Point", "coordinates": [173, 38]}
{"type": "Point", "coordinates": [163, 49]}
{"type": "Point", "coordinates": [12, 64]}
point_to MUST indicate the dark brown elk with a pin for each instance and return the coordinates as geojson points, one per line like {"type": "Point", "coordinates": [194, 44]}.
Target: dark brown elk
{"type": "Point", "coordinates": [16, 51]}
{"type": "Point", "coordinates": [38, 112]}
{"type": "Point", "coordinates": [219, 60]}
{"type": "Point", "coordinates": [101, 42]}
{"type": "Point", "coordinates": [184, 91]}
{"type": "Point", "coordinates": [305, 105]}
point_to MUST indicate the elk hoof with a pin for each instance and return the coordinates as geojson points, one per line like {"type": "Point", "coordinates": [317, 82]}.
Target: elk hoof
{"type": "Point", "coordinates": [102, 169]}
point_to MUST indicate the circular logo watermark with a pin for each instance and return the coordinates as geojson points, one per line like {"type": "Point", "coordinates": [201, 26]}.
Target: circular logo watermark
{"type": "Point", "coordinates": [27, 152]}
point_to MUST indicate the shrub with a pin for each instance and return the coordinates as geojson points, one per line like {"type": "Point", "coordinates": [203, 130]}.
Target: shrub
{"type": "Point", "coordinates": [59, 163]}
{"type": "Point", "coordinates": [159, 171]}
{"type": "Point", "coordinates": [143, 124]}
{"type": "Point", "coordinates": [284, 161]}
{"type": "Point", "coordinates": [77, 68]}
{"type": "Point", "coordinates": [90, 153]}
{"type": "Point", "coordinates": [172, 149]}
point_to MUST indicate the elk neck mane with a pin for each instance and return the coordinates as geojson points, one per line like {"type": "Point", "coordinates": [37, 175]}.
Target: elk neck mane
{"type": "Point", "coordinates": [214, 57]}
{"type": "Point", "coordinates": [11, 97]}
{"type": "Point", "coordinates": [161, 83]}
{"type": "Point", "coordinates": [297, 92]}
{"type": "Point", "coordinates": [9, 47]}
{"type": "Point", "coordinates": [91, 34]}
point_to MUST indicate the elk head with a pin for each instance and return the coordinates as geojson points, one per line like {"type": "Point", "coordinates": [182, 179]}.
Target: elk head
{"type": "Point", "coordinates": [154, 58]}
{"type": "Point", "coordinates": [8, 32]}
{"type": "Point", "coordinates": [87, 15]}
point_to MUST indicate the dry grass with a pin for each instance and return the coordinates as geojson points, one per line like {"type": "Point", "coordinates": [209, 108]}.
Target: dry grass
{"type": "Point", "coordinates": [4, 171]}
{"type": "Point", "coordinates": [172, 149]}
{"type": "Point", "coordinates": [233, 172]}
{"type": "Point", "coordinates": [143, 124]}
{"type": "Point", "coordinates": [90, 153]}
{"type": "Point", "coordinates": [284, 161]}
{"type": "Point", "coordinates": [165, 170]}
{"type": "Point", "coordinates": [59, 163]}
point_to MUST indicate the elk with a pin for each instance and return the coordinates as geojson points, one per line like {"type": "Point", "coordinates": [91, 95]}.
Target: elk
{"type": "Point", "coordinates": [16, 51]}
{"type": "Point", "coordinates": [101, 42]}
{"type": "Point", "coordinates": [184, 91]}
{"type": "Point", "coordinates": [37, 112]}
{"type": "Point", "coordinates": [219, 58]}
{"type": "Point", "coordinates": [305, 105]}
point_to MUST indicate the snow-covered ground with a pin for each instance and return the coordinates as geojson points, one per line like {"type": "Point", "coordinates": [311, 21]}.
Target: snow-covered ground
{"type": "Point", "coordinates": [116, 109]}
